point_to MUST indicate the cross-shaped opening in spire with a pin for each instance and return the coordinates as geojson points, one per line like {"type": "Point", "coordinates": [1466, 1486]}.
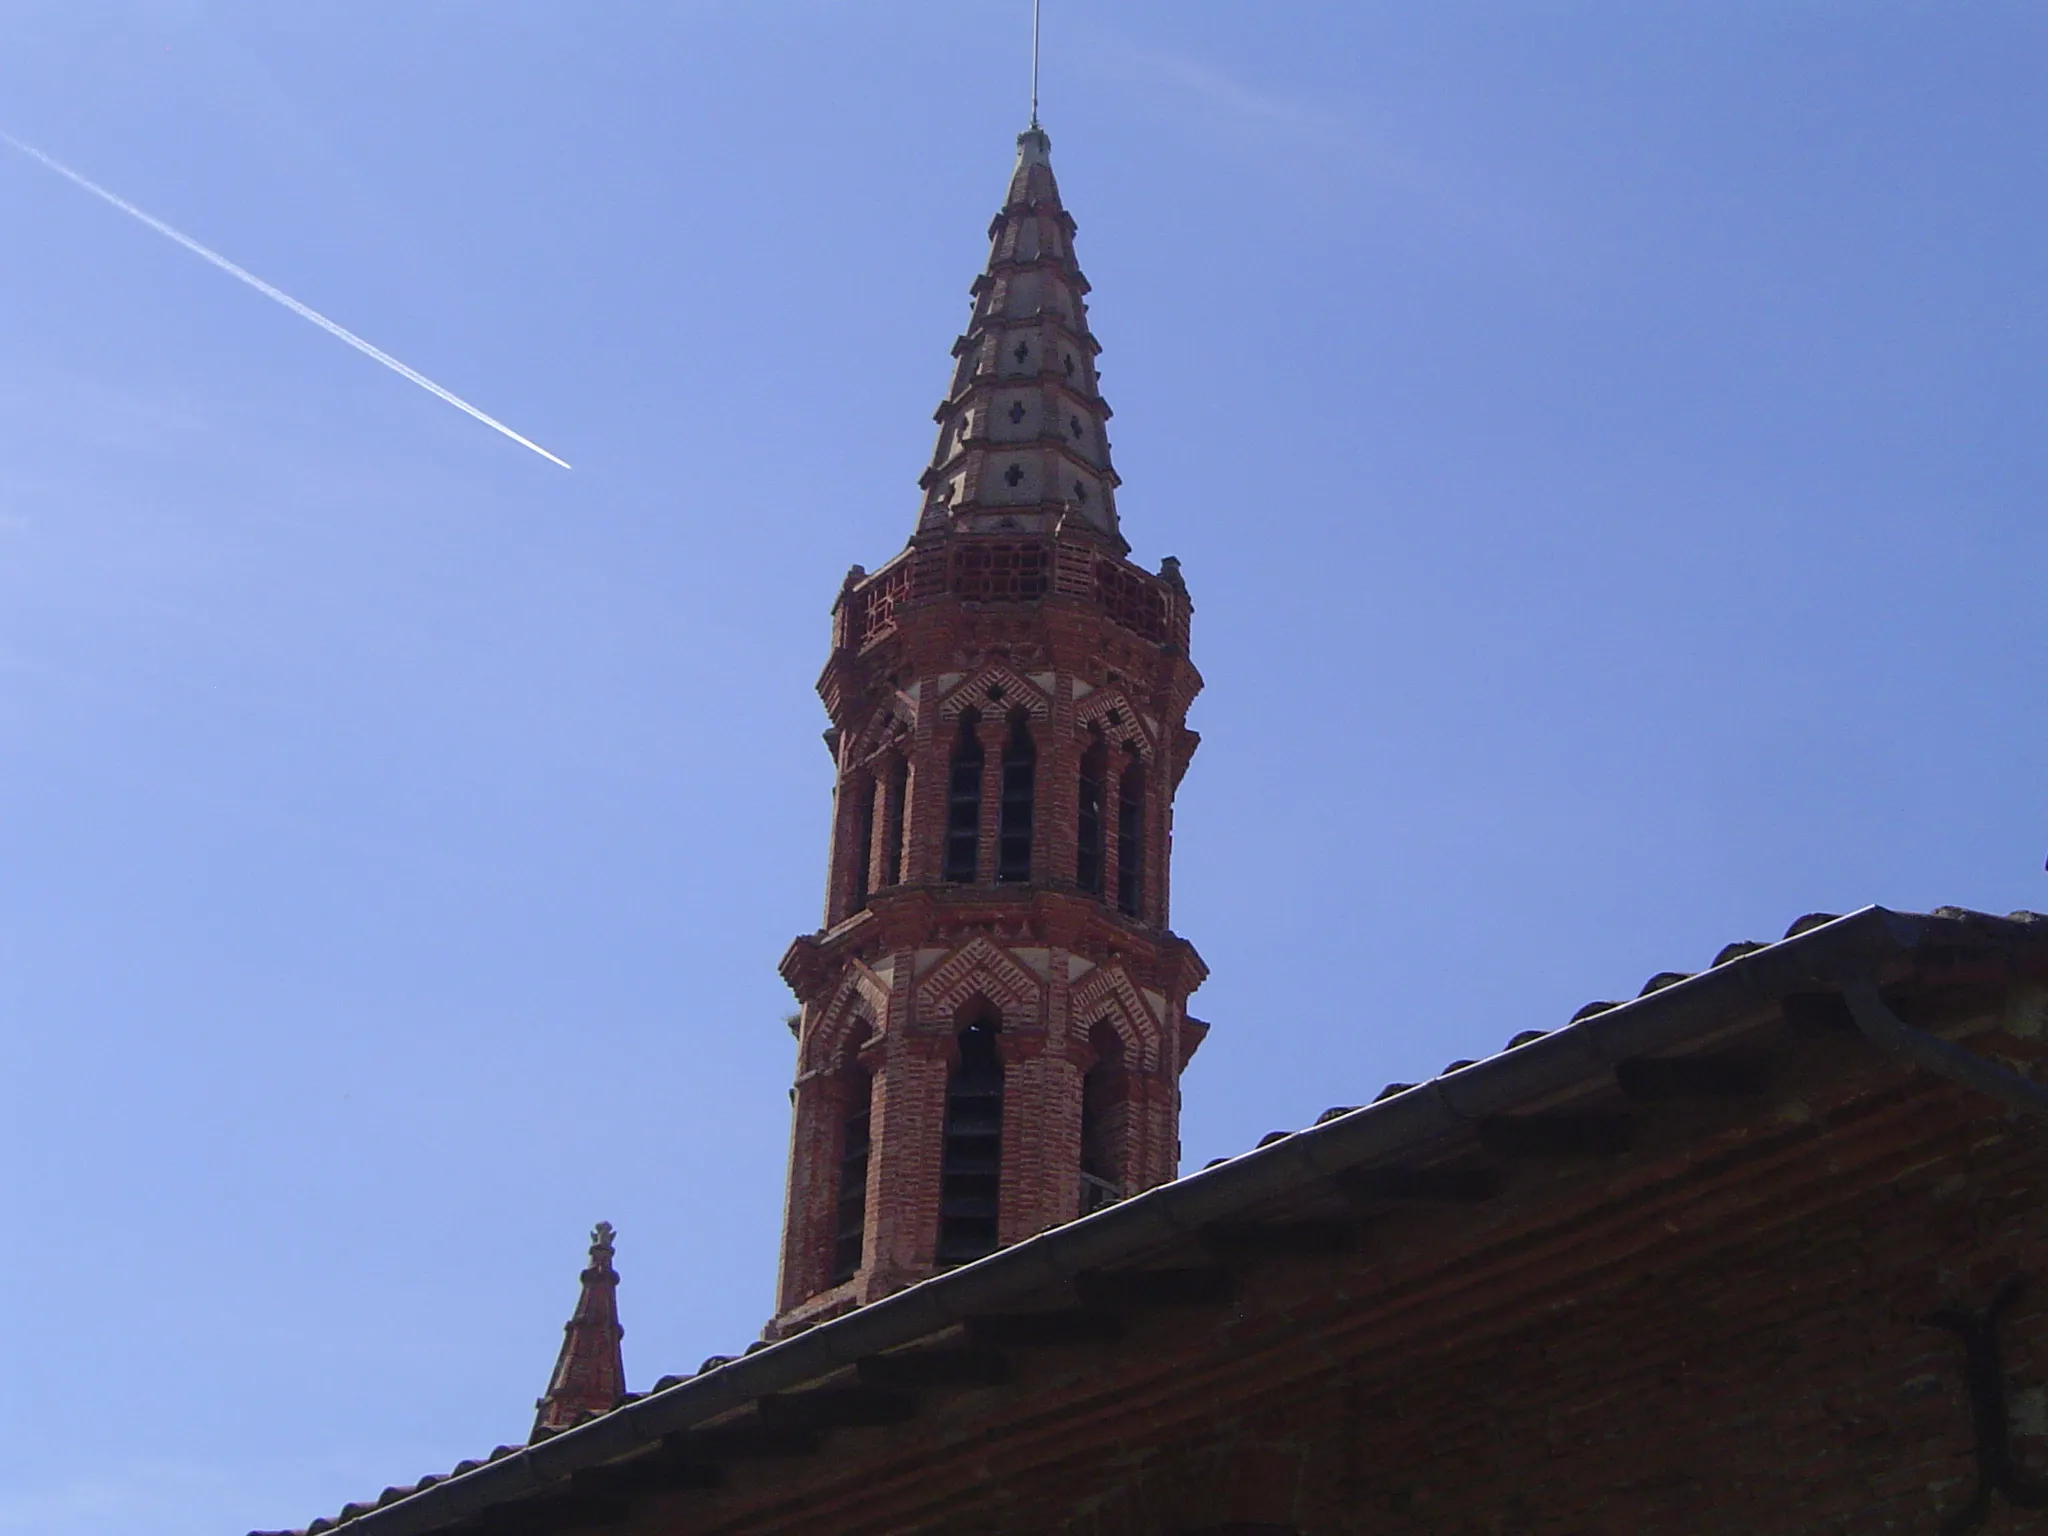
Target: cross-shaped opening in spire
{"type": "Point", "coordinates": [1074, 425]}
{"type": "Point", "coordinates": [1016, 412]}
{"type": "Point", "coordinates": [1070, 364]}
{"type": "Point", "coordinates": [1080, 491]}
{"type": "Point", "coordinates": [1014, 475]}
{"type": "Point", "coordinates": [1024, 350]}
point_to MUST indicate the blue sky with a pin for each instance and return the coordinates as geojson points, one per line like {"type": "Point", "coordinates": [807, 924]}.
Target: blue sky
{"type": "Point", "coordinates": [1604, 444]}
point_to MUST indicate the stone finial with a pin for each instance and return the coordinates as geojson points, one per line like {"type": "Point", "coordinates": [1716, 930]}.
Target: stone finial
{"type": "Point", "coordinates": [1034, 147]}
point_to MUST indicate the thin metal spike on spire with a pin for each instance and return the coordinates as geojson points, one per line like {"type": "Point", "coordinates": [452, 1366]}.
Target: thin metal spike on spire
{"type": "Point", "coordinates": [1035, 4]}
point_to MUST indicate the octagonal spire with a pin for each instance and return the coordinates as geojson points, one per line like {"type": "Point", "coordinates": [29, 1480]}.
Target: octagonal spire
{"type": "Point", "coordinates": [1023, 431]}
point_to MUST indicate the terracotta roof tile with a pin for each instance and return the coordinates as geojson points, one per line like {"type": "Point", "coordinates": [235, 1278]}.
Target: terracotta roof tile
{"type": "Point", "coordinates": [1729, 954]}
{"type": "Point", "coordinates": [1811, 921]}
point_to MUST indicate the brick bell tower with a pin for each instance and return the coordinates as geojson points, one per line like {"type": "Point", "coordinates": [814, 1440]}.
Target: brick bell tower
{"type": "Point", "coordinates": [994, 1016]}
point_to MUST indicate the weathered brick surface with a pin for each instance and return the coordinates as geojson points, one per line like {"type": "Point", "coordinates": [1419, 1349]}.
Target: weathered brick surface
{"type": "Point", "coordinates": [1721, 1331]}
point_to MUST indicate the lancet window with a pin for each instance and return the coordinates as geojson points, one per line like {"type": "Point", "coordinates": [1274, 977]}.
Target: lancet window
{"type": "Point", "coordinates": [850, 1212]}
{"type": "Point", "coordinates": [862, 790]}
{"type": "Point", "coordinates": [1020, 770]}
{"type": "Point", "coordinates": [895, 781]}
{"type": "Point", "coordinates": [1088, 823]}
{"type": "Point", "coordinates": [970, 1165]}
{"type": "Point", "coordinates": [963, 801]}
{"type": "Point", "coordinates": [1130, 839]}
{"type": "Point", "coordinates": [1105, 1120]}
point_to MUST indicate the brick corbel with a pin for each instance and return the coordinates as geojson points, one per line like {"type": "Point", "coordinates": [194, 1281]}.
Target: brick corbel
{"type": "Point", "coordinates": [804, 966]}
{"type": "Point", "coordinates": [904, 914]}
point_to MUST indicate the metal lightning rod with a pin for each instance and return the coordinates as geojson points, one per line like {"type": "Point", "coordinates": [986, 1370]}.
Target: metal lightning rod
{"type": "Point", "coordinates": [1034, 61]}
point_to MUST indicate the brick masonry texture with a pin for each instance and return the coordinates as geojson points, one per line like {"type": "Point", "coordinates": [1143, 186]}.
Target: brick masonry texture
{"type": "Point", "coordinates": [1719, 1331]}
{"type": "Point", "coordinates": [887, 984]}
{"type": "Point", "coordinates": [1671, 1268]}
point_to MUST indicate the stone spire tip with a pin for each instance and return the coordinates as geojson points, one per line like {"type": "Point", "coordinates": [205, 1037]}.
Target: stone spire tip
{"type": "Point", "coordinates": [1034, 147]}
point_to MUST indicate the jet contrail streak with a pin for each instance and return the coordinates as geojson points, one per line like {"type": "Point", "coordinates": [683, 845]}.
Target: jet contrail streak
{"type": "Point", "coordinates": [283, 298]}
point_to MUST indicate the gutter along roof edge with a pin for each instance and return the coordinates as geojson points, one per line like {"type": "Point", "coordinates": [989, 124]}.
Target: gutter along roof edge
{"type": "Point", "coordinates": [1822, 959]}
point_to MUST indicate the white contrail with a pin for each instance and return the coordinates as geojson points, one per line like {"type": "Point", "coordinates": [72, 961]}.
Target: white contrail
{"type": "Point", "coordinates": [285, 299]}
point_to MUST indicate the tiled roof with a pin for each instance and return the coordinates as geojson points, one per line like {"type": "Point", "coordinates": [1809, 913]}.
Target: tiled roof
{"type": "Point", "coordinates": [1623, 1042]}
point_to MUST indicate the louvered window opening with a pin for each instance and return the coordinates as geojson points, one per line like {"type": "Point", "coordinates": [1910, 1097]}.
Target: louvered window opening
{"type": "Point", "coordinates": [970, 1168]}
{"type": "Point", "coordinates": [849, 1239]}
{"type": "Point", "coordinates": [963, 803]}
{"type": "Point", "coordinates": [1105, 1115]}
{"type": "Point", "coordinates": [895, 784]}
{"type": "Point", "coordinates": [862, 788]}
{"type": "Point", "coordinates": [1020, 770]}
{"type": "Point", "coordinates": [1130, 840]}
{"type": "Point", "coordinates": [1088, 823]}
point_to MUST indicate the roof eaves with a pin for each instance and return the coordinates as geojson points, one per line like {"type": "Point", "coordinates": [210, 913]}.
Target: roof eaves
{"type": "Point", "coordinates": [1819, 959]}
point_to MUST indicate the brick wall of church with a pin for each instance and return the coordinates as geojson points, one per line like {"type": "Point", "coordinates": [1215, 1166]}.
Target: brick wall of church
{"type": "Point", "coordinates": [1783, 1383]}
{"type": "Point", "coordinates": [1724, 1331]}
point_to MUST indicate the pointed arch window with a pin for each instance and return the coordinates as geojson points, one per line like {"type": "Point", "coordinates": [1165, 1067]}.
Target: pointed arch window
{"type": "Point", "coordinates": [1088, 822]}
{"type": "Point", "coordinates": [963, 801]}
{"type": "Point", "coordinates": [1105, 1121]}
{"type": "Point", "coordinates": [850, 1211]}
{"type": "Point", "coordinates": [862, 789]}
{"type": "Point", "coordinates": [1020, 772]}
{"type": "Point", "coordinates": [1130, 839]}
{"type": "Point", "coordinates": [970, 1165]}
{"type": "Point", "coordinates": [895, 784]}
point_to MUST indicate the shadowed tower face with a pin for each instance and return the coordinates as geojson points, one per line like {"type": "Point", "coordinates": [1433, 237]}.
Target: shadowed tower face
{"type": "Point", "coordinates": [994, 1015]}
